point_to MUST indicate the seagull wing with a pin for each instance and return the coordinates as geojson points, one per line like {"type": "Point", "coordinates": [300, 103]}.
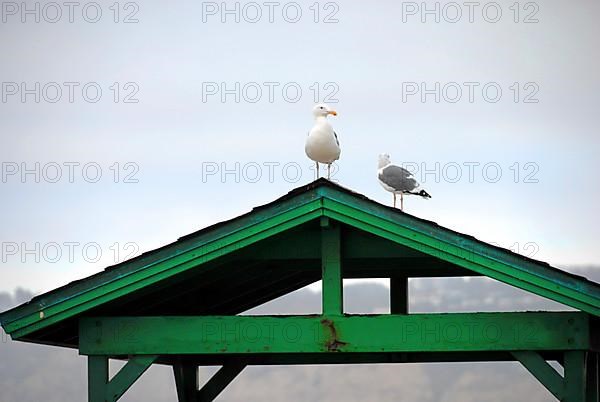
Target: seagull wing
{"type": "Point", "coordinates": [336, 139]}
{"type": "Point", "coordinates": [398, 178]}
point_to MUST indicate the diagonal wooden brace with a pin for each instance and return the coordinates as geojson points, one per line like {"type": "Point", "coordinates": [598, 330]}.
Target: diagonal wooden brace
{"type": "Point", "coordinates": [219, 381]}
{"type": "Point", "coordinates": [100, 389]}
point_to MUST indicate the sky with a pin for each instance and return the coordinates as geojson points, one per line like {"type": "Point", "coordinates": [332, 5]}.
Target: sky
{"type": "Point", "coordinates": [124, 126]}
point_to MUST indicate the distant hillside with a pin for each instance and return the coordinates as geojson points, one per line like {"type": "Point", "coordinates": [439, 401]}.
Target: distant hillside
{"type": "Point", "coordinates": [32, 373]}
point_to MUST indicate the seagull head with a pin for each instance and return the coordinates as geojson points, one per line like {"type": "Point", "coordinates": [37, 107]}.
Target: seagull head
{"type": "Point", "coordinates": [384, 160]}
{"type": "Point", "coordinates": [322, 110]}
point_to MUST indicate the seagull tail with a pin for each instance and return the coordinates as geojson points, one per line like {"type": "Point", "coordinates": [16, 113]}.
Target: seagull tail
{"type": "Point", "coordinates": [424, 194]}
{"type": "Point", "coordinates": [421, 193]}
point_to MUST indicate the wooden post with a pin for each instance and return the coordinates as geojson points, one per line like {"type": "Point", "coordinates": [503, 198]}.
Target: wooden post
{"type": "Point", "coordinates": [186, 382]}
{"type": "Point", "coordinates": [331, 266]}
{"type": "Point", "coordinates": [97, 378]}
{"type": "Point", "coordinates": [574, 376]}
{"type": "Point", "coordinates": [399, 295]}
{"type": "Point", "coordinates": [591, 383]}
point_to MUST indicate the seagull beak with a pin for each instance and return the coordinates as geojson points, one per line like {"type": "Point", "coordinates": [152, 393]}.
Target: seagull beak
{"type": "Point", "coordinates": [333, 112]}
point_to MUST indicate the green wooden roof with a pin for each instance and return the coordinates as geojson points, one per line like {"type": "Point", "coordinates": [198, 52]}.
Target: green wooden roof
{"type": "Point", "coordinates": [235, 265]}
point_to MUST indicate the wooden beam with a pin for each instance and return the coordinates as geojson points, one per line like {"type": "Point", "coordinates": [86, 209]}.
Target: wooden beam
{"type": "Point", "coordinates": [399, 295]}
{"type": "Point", "coordinates": [188, 254]}
{"type": "Point", "coordinates": [574, 376]}
{"type": "Point", "coordinates": [247, 335]}
{"type": "Point", "coordinates": [219, 381]}
{"type": "Point", "coordinates": [294, 210]}
{"type": "Point", "coordinates": [467, 253]}
{"type": "Point", "coordinates": [97, 378]}
{"type": "Point", "coordinates": [543, 371]}
{"type": "Point", "coordinates": [186, 381]}
{"type": "Point", "coordinates": [331, 266]}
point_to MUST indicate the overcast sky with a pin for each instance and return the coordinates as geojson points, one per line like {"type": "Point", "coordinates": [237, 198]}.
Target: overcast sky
{"type": "Point", "coordinates": [508, 151]}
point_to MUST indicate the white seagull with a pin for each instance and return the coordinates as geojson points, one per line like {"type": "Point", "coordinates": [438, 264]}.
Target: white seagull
{"type": "Point", "coordinates": [397, 180]}
{"type": "Point", "coordinates": [322, 145]}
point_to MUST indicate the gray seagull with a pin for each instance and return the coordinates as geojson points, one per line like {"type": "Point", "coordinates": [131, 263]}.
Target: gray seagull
{"type": "Point", "coordinates": [397, 180]}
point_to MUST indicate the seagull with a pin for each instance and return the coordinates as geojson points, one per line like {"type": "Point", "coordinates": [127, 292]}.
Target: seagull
{"type": "Point", "coordinates": [397, 180]}
{"type": "Point", "coordinates": [322, 145]}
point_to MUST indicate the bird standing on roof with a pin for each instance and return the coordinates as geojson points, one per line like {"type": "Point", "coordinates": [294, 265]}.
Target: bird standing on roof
{"type": "Point", "coordinates": [322, 145]}
{"type": "Point", "coordinates": [397, 180]}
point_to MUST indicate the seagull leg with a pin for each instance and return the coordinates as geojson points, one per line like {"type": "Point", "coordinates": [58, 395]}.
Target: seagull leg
{"type": "Point", "coordinates": [401, 202]}
{"type": "Point", "coordinates": [394, 194]}
{"type": "Point", "coordinates": [328, 170]}
{"type": "Point", "coordinates": [317, 163]}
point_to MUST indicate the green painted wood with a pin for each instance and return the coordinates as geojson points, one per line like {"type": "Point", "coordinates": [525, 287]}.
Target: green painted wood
{"type": "Point", "coordinates": [219, 381]}
{"type": "Point", "coordinates": [162, 270]}
{"type": "Point", "coordinates": [574, 376]}
{"type": "Point", "coordinates": [208, 247]}
{"type": "Point", "coordinates": [470, 244]}
{"type": "Point", "coordinates": [186, 381]}
{"type": "Point", "coordinates": [97, 378]}
{"type": "Point", "coordinates": [124, 379]}
{"type": "Point", "coordinates": [308, 200]}
{"type": "Point", "coordinates": [322, 199]}
{"type": "Point", "coordinates": [541, 370]}
{"type": "Point", "coordinates": [331, 268]}
{"type": "Point", "coordinates": [364, 255]}
{"type": "Point", "coordinates": [461, 332]}
{"type": "Point", "coordinates": [465, 257]}
{"type": "Point", "coordinates": [398, 295]}
{"type": "Point", "coordinates": [465, 262]}
{"type": "Point", "coordinates": [591, 381]}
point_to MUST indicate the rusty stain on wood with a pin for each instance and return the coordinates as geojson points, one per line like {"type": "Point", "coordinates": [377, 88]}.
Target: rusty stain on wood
{"type": "Point", "coordinates": [333, 343]}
